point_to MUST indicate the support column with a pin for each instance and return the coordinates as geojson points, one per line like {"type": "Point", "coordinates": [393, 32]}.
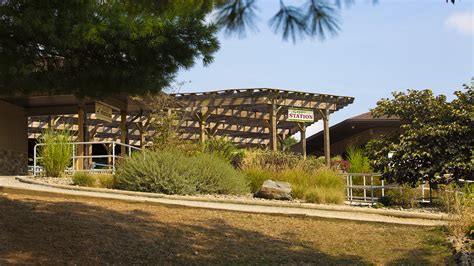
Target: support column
{"type": "Point", "coordinates": [202, 131]}
{"type": "Point", "coordinates": [123, 132]}
{"type": "Point", "coordinates": [91, 138]}
{"type": "Point", "coordinates": [201, 118]}
{"type": "Point", "coordinates": [273, 126]}
{"type": "Point", "coordinates": [142, 139]}
{"type": "Point", "coordinates": [302, 127]}
{"type": "Point", "coordinates": [80, 136]}
{"type": "Point", "coordinates": [327, 143]}
{"type": "Point", "coordinates": [108, 148]}
{"type": "Point", "coordinates": [51, 123]}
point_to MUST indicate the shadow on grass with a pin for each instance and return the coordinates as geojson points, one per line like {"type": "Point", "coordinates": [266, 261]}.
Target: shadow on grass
{"type": "Point", "coordinates": [36, 231]}
{"type": "Point", "coordinates": [434, 242]}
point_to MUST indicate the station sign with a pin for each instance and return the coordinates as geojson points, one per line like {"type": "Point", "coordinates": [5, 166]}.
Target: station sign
{"type": "Point", "coordinates": [300, 115]}
{"type": "Point", "coordinates": [103, 112]}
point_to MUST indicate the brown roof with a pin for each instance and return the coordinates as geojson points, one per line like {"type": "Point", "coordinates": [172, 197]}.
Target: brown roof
{"type": "Point", "coordinates": [348, 127]}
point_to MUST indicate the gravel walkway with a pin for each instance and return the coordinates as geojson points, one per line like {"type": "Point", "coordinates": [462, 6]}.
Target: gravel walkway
{"type": "Point", "coordinates": [335, 212]}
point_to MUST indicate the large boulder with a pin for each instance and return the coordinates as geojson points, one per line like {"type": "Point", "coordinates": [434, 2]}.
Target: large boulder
{"type": "Point", "coordinates": [274, 190]}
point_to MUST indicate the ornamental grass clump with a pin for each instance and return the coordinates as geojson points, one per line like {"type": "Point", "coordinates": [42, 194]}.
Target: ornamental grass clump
{"type": "Point", "coordinates": [279, 161]}
{"type": "Point", "coordinates": [321, 186]}
{"type": "Point", "coordinates": [84, 179]}
{"type": "Point", "coordinates": [358, 161]}
{"type": "Point", "coordinates": [55, 153]}
{"type": "Point", "coordinates": [173, 172]}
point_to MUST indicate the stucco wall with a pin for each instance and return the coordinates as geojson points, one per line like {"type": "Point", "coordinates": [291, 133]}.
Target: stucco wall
{"type": "Point", "coordinates": [13, 140]}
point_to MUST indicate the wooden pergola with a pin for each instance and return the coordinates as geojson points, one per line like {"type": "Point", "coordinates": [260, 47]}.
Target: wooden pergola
{"type": "Point", "coordinates": [257, 116]}
{"type": "Point", "coordinates": [247, 117]}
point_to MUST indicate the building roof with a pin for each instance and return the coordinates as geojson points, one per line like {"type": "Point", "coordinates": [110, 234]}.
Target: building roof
{"type": "Point", "coordinates": [351, 126]}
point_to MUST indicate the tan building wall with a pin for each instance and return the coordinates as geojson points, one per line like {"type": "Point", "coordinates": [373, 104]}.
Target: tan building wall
{"type": "Point", "coordinates": [13, 140]}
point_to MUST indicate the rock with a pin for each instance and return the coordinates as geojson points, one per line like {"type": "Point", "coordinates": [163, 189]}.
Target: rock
{"type": "Point", "coordinates": [274, 190]}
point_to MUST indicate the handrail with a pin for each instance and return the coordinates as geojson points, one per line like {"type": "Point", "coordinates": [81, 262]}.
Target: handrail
{"type": "Point", "coordinates": [37, 169]}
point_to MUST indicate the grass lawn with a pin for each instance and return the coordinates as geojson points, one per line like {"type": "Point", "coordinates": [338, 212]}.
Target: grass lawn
{"type": "Point", "coordinates": [37, 228]}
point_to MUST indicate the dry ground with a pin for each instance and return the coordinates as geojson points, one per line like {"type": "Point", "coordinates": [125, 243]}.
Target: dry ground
{"type": "Point", "coordinates": [46, 229]}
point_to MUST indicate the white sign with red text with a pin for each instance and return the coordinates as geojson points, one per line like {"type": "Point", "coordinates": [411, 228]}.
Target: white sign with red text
{"type": "Point", "coordinates": [300, 115]}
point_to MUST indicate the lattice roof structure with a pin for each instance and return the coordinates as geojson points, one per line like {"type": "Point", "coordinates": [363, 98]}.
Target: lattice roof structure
{"type": "Point", "coordinates": [247, 117]}
{"type": "Point", "coordinates": [244, 115]}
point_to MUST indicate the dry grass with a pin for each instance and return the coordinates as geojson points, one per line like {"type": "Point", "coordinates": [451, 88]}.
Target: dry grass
{"type": "Point", "coordinates": [320, 186]}
{"type": "Point", "coordinates": [41, 229]}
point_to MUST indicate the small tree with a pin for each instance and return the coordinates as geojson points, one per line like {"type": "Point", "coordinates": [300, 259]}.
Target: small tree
{"type": "Point", "coordinates": [435, 141]}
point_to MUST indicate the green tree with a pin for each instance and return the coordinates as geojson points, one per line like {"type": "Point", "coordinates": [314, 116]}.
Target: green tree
{"type": "Point", "coordinates": [97, 48]}
{"type": "Point", "coordinates": [435, 141]}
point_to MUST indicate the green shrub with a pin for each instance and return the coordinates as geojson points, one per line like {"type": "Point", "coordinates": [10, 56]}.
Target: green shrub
{"type": "Point", "coordinates": [378, 205]}
{"type": "Point", "coordinates": [224, 149]}
{"type": "Point", "coordinates": [459, 202]}
{"type": "Point", "coordinates": [104, 180]}
{"type": "Point", "coordinates": [83, 179]}
{"type": "Point", "coordinates": [404, 196]}
{"type": "Point", "coordinates": [172, 172]}
{"type": "Point", "coordinates": [56, 154]}
{"type": "Point", "coordinates": [358, 161]}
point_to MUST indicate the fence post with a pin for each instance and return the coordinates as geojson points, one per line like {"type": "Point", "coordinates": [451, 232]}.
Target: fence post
{"type": "Point", "coordinates": [347, 185]}
{"type": "Point", "coordinates": [73, 158]}
{"type": "Point", "coordinates": [113, 157]}
{"type": "Point", "coordinates": [383, 189]}
{"type": "Point", "coordinates": [351, 188]}
{"type": "Point", "coordinates": [423, 191]}
{"type": "Point", "coordinates": [365, 190]}
{"type": "Point", "coordinates": [372, 189]}
{"type": "Point", "coordinates": [34, 160]}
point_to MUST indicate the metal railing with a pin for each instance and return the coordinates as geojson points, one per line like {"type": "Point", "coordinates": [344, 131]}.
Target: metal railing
{"type": "Point", "coordinates": [37, 169]}
{"type": "Point", "coordinates": [371, 187]}
{"type": "Point", "coordinates": [368, 184]}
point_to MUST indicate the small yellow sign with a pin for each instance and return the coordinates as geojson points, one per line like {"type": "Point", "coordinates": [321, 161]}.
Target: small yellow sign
{"type": "Point", "coordinates": [103, 112]}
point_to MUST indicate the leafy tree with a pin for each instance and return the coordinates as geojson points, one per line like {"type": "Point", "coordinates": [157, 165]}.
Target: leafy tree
{"type": "Point", "coordinates": [435, 141]}
{"type": "Point", "coordinates": [97, 48]}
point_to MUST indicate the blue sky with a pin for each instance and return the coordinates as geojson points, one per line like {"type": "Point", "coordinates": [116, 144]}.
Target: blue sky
{"type": "Point", "coordinates": [393, 45]}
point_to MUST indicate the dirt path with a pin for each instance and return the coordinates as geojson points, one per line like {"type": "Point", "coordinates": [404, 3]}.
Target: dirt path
{"type": "Point", "coordinates": [46, 228]}
{"type": "Point", "coordinates": [337, 213]}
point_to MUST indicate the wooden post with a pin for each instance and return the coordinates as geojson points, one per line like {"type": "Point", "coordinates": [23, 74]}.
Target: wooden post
{"type": "Point", "coordinates": [80, 136]}
{"type": "Point", "coordinates": [302, 127]}
{"type": "Point", "coordinates": [327, 143]}
{"type": "Point", "coordinates": [123, 132]}
{"type": "Point", "coordinates": [202, 131]}
{"type": "Point", "coordinates": [142, 139]}
{"type": "Point", "coordinates": [91, 138]}
{"type": "Point", "coordinates": [51, 123]}
{"type": "Point", "coordinates": [273, 126]}
{"type": "Point", "coordinates": [201, 118]}
{"type": "Point", "coordinates": [108, 148]}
